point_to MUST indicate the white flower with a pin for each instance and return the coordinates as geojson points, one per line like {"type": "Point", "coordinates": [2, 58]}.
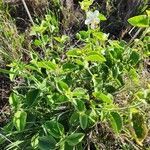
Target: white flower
{"type": "Point", "coordinates": [92, 19]}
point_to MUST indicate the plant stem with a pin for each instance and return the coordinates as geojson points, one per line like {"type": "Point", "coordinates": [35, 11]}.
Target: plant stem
{"type": "Point", "coordinates": [28, 12]}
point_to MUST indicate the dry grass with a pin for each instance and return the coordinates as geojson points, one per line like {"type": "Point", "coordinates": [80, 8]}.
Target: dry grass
{"type": "Point", "coordinates": [11, 42]}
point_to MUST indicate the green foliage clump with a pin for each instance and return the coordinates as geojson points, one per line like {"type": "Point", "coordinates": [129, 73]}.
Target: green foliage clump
{"type": "Point", "coordinates": [64, 94]}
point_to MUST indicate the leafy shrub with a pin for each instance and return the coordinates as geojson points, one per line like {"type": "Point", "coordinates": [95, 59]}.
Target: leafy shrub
{"type": "Point", "coordinates": [64, 95]}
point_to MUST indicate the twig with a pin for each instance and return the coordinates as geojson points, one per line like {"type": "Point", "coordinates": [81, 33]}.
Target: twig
{"type": "Point", "coordinates": [28, 12]}
{"type": "Point", "coordinates": [134, 37]}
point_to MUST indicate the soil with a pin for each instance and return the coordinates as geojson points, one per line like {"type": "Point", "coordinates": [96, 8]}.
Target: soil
{"type": "Point", "coordinates": [5, 88]}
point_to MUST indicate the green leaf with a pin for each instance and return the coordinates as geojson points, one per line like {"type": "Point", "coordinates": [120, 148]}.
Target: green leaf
{"type": "Point", "coordinates": [139, 21]}
{"type": "Point", "coordinates": [116, 121]}
{"type": "Point", "coordinates": [14, 100]}
{"type": "Point", "coordinates": [102, 17]}
{"type": "Point", "coordinates": [48, 65]}
{"type": "Point", "coordinates": [79, 62]}
{"type": "Point", "coordinates": [79, 146]}
{"type": "Point", "coordinates": [32, 66]}
{"type": "Point", "coordinates": [100, 36]}
{"type": "Point", "coordinates": [103, 97]}
{"type": "Point", "coordinates": [37, 29]}
{"type": "Point", "coordinates": [74, 138]}
{"type": "Point", "coordinates": [83, 121]}
{"type": "Point", "coordinates": [38, 42]}
{"type": "Point", "coordinates": [139, 127]}
{"type": "Point", "coordinates": [47, 143]}
{"type": "Point", "coordinates": [85, 4]}
{"type": "Point", "coordinates": [62, 86]}
{"type": "Point", "coordinates": [134, 58]}
{"type": "Point", "coordinates": [74, 119]}
{"type": "Point", "coordinates": [6, 71]}
{"type": "Point", "coordinates": [57, 98]}
{"type": "Point", "coordinates": [74, 52]}
{"type": "Point", "coordinates": [79, 92]}
{"type": "Point", "coordinates": [67, 147]}
{"type": "Point", "coordinates": [35, 141]}
{"type": "Point", "coordinates": [115, 71]}
{"type": "Point", "coordinates": [54, 128]}
{"type": "Point", "coordinates": [134, 75]}
{"type": "Point", "coordinates": [83, 35]}
{"type": "Point", "coordinates": [80, 106]}
{"type": "Point", "coordinates": [62, 39]}
{"type": "Point", "coordinates": [32, 97]}
{"type": "Point", "coordinates": [19, 120]}
{"type": "Point", "coordinates": [69, 67]}
{"type": "Point", "coordinates": [95, 57]}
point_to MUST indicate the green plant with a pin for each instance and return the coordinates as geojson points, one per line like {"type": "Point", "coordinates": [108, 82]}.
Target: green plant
{"type": "Point", "coordinates": [65, 94]}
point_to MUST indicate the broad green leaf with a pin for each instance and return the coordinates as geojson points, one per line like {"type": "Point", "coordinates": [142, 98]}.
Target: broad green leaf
{"type": "Point", "coordinates": [46, 39]}
{"type": "Point", "coordinates": [134, 75]}
{"type": "Point", "coordinates": [79, 146]}
{"type": "Point", "coordinates": [47, 143]}
{"type": "Point", "coordinates": [83, 118]}
{"type": "Point", "coordinates": [38, 42]}
{"type": "Point", "coordinates": [35, 141]}
{"type": "Point", "coordinates": [79, 92]}
{"type": "Point", "coordinates": [85, 4]}
{"type": "Point", "coordinates": [100, 36]}
{"type": "Point", "coordinates": [80, 106]}
{"type": "Point", "coordinates": [139, 127]}
{"type": "Point", "coordinates": [19, 120]}
{"type": "Point", "coordinates": [74, 119]}
{"type": "Point", "coordinates": [32, 96]}
{"type": "Point", "coordinates": [79, 62]}
{"type": "Point", "coordinates": [62, 39]}
{"type": "Point", "coordinates": [54, 128]}
{"type": "Point", "coordinates": [101, 96]}
{"type": "Point", "coordinates": [115, 71]}
{"type": "Point", "coordinates": [48, 65]}
{"type": "Point", "coordinates": [116, 121]}
{"type": "Point", "coordinates": [92, 115]}
{"type": "Point", "coordinates": [57, 98]}
{"type": "Point", "coordinates": [74, 138]}
{"type": "Point", "coordinates": [37, 29]}
{"type": "Point", "coordinates": [69, 67]}
{"type": "Point", "coordinates": [67, 147]}
{"type": "Point", "coordinates": [83, 35]}
{"type": "Point", "coordinates": [139, 21]}
{"type": "Point", "coordinates": [102, 17]}
{"type": "Point", "coordinates": [14, 100]}
{"type": "Point", "coordinates": [95, 57]}
{"type": "Point", "coordinates": [64, 146]}
{"type": "Point", "coordinates": [62, 86]}
{"type": "Point", "coordinates": [134, 58]}
{"type": "Point", "coordinates": [74, 53]}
